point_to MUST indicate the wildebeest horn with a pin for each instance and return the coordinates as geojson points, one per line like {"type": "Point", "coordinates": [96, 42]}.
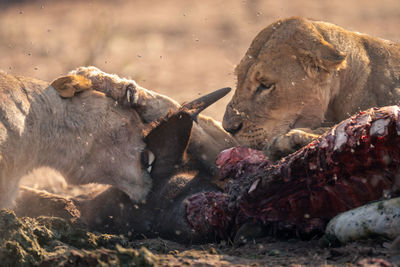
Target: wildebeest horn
{"type": "Point", "coordinates": [198, 105]}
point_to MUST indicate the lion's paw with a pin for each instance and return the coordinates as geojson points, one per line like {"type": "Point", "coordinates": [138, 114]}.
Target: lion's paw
{"type": "Point", "coordinates": [67, 86]}
{"type": "Point", "coordinates": [288, 143]}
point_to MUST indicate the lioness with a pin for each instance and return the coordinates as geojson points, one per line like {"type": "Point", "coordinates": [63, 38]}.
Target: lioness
{"type": "Point", "coordinates": [182, 163]}
{"type": "Point", "coordinates": [300, 73]}
{"type": "Point", "coordinates": [87, 138]}
{"type": "Point", "coordinates": [86, 134]}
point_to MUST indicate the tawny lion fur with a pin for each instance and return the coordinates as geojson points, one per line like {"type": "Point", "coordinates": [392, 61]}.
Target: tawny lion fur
{"type": "Point", "coordinates": [89, 136]}
{"type": "Point", "coordinates": [300, 73]}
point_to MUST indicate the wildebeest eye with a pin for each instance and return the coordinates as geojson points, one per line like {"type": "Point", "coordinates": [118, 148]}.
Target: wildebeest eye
{"type": "Point", "coordinates": [147, 157]}
{"type": "Point", "coordinates": [265, 87]}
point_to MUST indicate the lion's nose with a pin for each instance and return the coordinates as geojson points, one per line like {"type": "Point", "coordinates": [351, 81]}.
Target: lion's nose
{"type": "Point", "coordinates": [231, 122]}
{"type": "Point", "coordinates": [234, 128]}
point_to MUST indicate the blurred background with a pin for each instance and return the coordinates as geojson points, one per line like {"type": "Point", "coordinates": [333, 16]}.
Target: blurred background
{"type": "Point", "coordinates": [181, 48]}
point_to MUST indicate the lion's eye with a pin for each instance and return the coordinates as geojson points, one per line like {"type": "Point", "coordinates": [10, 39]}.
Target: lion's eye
{"type": "Point", "coordinates": [263, 87]}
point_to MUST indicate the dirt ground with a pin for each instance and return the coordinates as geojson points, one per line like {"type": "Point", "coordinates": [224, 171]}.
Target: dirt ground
{"type": "Point", "coordinates": [181, 48]}
{"type": "Point", "coordinates": [53, 241]}
{"type": "Point", "coordinates": [270, 252]}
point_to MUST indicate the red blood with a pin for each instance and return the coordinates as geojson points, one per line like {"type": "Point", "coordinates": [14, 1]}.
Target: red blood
{"type": "Point", "coordinates": [309, 187]}
{"type": "Point", "coordinates": [234, 162]}
{"type": "Point", "coordinates": [208, 211]}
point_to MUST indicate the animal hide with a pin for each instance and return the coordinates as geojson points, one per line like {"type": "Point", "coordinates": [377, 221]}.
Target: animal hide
{"type": "Point", "coordinates": [356, 162]}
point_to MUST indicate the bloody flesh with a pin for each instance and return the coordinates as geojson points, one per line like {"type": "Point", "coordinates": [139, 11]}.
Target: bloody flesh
{"type": "Point", "coordinates": [347, 167]}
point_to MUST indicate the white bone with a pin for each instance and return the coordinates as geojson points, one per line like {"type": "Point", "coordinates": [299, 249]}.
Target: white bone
{"type": "Point", "coordinates": [376, 218]}
{"type": "Point", "coordinates": [379, 127]}
{"type": "Point", "coordinates": [341, 136]}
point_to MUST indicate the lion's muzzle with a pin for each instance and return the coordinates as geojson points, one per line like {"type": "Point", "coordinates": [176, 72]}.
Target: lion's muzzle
{"type": "Point", "coordinates": [232, 121]}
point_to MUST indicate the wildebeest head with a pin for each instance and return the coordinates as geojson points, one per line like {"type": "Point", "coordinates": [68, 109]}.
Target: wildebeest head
{"type": "Point", "coordinates": [168, 138]}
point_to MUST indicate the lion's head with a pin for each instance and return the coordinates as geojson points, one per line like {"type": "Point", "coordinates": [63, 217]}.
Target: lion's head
{"type": "Point", "coordinates": [285, 80]}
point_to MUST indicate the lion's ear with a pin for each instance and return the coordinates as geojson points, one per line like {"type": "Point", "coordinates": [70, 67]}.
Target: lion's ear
{"type": "Point", "coordinates": [318, 55]}
{"type": "Point", "coordinates": [67, 86]}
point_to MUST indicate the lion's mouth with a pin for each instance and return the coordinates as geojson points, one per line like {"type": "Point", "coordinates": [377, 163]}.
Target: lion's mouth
{"type": "Point", "coordinates": [239, 127]}
{"type": "Point", "coordinates": [252, 136]}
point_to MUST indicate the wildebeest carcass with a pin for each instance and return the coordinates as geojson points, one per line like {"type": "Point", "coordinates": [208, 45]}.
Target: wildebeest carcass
{"type": "Point", "coordinates": [354, 163]}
